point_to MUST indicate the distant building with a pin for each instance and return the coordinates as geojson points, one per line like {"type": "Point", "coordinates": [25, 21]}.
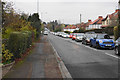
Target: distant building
{"type": "Point", "coordinates": [71, 28]}
{"type": "Point", "coordinates": [82, 25]}
{"type": "Point", "coordinates": [87, 24]}
{"type": "Point", "coordinates": [96, 24]}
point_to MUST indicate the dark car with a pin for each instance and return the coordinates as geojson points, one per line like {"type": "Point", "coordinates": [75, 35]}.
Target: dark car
{"type": "Point", "coordinates": [102, 41]}
{"type": "Point", "coordinates": [117, 46]}
{"type": "Point", "coordinates": [86, 38]}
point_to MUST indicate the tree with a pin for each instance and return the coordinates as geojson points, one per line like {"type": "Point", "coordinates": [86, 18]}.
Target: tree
{"type": "Point", "coordinates": [36, 23]}
{"type": "Point", "coordinates": [12, 21]}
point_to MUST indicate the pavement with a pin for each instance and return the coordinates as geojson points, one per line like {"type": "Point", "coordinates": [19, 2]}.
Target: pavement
{"type": "Point", "coordinates": [85, 62]}
{"type": "Point", "coordinates": [41, 63]}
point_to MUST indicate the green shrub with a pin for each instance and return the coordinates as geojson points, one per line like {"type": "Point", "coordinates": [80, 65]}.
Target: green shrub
{"type": "Point", "coordinates": [109, 30]}
{"type": "Point", "coordinates": [19, 42]}
{"type": "Point", "coordinates": [67, 32]}
{"type": "Point", "coordinates": [28, 35]}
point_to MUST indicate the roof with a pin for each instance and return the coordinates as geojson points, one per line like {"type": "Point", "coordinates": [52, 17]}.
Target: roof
{"type": "Point", "coordinates": [104, 26]}
{"type": "Point", "coordinates": [113, 15]}
{"type": "Point", "coordinates": [70, 27]}
{"type": "Point", "coordinates": [97, 21]}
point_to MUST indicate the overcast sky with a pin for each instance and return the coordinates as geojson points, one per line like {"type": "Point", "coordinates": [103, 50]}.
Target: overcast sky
{"type": "Point", "coordinates": [65, 0]}
{"type": "Point", "coordinates": [65, 11]}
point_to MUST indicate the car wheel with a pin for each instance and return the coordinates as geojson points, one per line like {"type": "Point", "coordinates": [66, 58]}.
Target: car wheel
{"type": "Point", "coordinates": [76, 40]}
{"type": "Point", "coordinates": [116, 50]}
{"type": "Point", "coordinates": [91, 44]}
{"type": "Point", "coordinates": [97, 45]}
{"type": "Point", "coordinates": [82, 42]}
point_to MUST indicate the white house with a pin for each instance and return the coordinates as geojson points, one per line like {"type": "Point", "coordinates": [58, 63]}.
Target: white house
{"type": "Point", "coordinates": [96, 24]}
{"type": "Point", "coordinates": [71, 28]}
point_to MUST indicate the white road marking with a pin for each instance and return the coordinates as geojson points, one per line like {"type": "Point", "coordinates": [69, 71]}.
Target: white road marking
{"type": "Point", "coordinates": [112, 55]}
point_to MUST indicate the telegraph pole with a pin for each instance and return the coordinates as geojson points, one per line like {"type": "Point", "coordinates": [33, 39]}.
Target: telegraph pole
{"type": "Point", "coordinates": [38, 6]}
{"type": "Point", "coordinates": [80, 18]}
{"type": "Point", "coordinates": [119, 19]}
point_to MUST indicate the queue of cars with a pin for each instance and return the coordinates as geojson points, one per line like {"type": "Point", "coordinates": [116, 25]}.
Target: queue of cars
{"type": "Point", "coordinates": [97, 40]}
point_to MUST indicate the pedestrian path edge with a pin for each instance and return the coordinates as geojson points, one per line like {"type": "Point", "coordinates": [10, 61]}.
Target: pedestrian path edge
{"type": "Point", "coordinates": [64, 71]}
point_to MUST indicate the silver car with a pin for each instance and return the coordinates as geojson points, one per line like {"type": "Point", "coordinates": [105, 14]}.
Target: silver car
{"type": "Point", "coordinates": [117, 46]}
{"type": "Point", "coordinates": [79, 37]}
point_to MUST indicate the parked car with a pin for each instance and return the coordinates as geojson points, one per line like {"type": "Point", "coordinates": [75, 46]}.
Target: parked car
{"type": "Point", "coordinates": [45, 32]}
{"type": "Point", "coordinates": [74, 36]}
{"type": "Point", "coordinates": [79, 37]}
{"type": "Point", "coordinates": [102, 41]}
{"type": "Point", "coordinates": [65, 35]}
{"type": "Point", "coordinates": [117, 46]}
{"type": "Point", "coordinates": [86, 39]}
{"type": "Point", "coordinates": [60, 34]}
{"type": "Point", "coordinates": [71, 35]}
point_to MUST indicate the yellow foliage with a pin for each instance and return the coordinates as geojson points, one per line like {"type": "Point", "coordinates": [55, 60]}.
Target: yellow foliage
{"type": "Point", "coordinates": [6, 55]}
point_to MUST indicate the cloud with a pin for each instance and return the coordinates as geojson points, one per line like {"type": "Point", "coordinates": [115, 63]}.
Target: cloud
{"type": "Point", "coordinates": [63, 0]}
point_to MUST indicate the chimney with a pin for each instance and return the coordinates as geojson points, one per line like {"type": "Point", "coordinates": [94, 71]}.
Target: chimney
{"type": "Point", "coordinates": [116, 10]}
{"type": "Point", "coordinates": [89, 20]}
{"type": "Point", "coordinates": [100, 17]}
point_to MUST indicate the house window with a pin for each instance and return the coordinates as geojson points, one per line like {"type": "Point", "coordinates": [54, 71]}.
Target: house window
{"type": "Point", "coordinates": [107, 21]}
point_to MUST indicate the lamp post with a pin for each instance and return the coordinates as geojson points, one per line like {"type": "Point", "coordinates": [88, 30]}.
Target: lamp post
{"type": "Point", "coordinates": [119, 18]}
{"type": "Point", "coordinates": [38, 6]}
{"type": "Point", "coordinates": [80, 18]}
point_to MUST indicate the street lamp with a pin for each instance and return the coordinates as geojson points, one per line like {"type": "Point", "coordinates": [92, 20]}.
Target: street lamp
{"type": "Point", "coordinates": [38, 6]}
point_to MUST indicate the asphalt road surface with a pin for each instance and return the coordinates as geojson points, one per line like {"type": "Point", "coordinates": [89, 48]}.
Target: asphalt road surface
{"type": "Point", "coordinates": [85, 62]}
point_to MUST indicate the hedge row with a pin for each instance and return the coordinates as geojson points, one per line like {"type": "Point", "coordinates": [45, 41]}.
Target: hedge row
{"type": "Point", "coordinates": [18, 42]}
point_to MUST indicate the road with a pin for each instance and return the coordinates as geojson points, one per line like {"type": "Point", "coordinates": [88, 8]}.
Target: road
{"type": "Point", "coordinates": [83, 61]}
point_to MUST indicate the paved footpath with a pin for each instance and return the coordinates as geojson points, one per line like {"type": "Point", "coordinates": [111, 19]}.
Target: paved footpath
{"type": "Point", "coordinates": [40, 64]}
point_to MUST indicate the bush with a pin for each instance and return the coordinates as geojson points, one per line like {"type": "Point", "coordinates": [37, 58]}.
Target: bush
{"type": "Point", "coordinates": [7, 57]}
{"type": "Point", "coordinates": [67, 32]}
{"type": "Point", "coordinates": [19, 42]}
{"type": "Point", "coordinates": [109, 30]}
{"type": "Point", "coordinates": [76, 31]}
{"type": "Point", "coordinates": [116, 32]}
{"type": "Point", "coordinates": [28, 35]}
{"type": "Point", "coordinates": [95, 30]}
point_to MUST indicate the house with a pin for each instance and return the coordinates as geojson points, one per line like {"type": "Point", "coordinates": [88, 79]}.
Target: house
{"type": "Point", "coordinates": [110, 20]}
{"type": "Point", "coordinates": [82, 25]}
{"type": "Point", "coordinates": [71, 28]}
{"type": "Point", "coordinates": [87, 24]}
{"type": "Point", "coordinates": [96, 24]}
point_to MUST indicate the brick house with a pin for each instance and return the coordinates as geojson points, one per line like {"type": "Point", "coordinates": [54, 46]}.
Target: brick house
{"type": "Point", "coordinates": [110, 19]}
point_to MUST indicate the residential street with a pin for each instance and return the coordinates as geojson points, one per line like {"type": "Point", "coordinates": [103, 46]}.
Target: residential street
{"type": "Point", "coordinates": [83, 61]}
{"type": "Point", "coordinates": [60, 39]}
{"type": "Point", "coordinates": [41, 63]}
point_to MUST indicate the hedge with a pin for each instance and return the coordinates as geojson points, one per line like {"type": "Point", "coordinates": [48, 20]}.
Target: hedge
{"type": "Point", "coordinates": [18, 42]}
